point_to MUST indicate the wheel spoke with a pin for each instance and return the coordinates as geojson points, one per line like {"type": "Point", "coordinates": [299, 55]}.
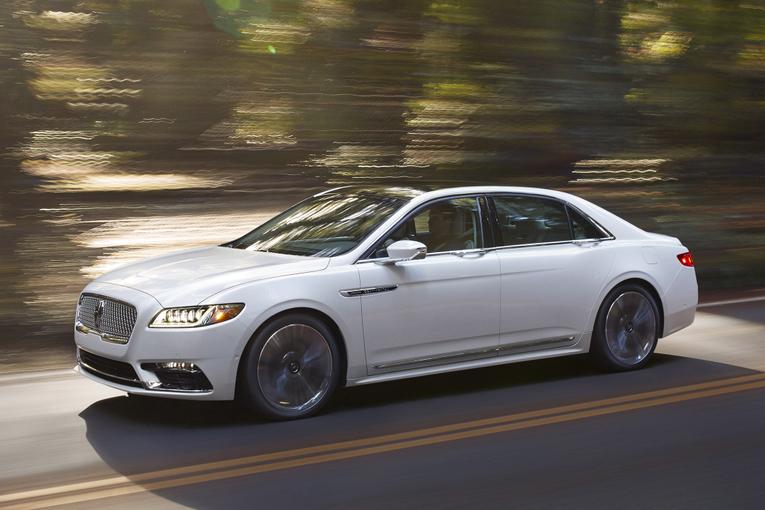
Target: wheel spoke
{"type": "Point", "coordinates": [308, 391]}
{"type": "Point", "coordinates": [642, 312]}
{"type": "Point", "coordinates": [630, 327]}
{"type": "Point", "coordinates": [295, 367]}
{"type": "Point", "coordinates": [621, 341]}
{"type": "Point", "coordinates": [281, 382]}
{"type": "Point", "coordinates": [618, 305]}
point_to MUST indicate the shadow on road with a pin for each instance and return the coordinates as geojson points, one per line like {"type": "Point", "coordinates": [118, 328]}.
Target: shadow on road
{"type": "Point", "coordinates": [135, 435]}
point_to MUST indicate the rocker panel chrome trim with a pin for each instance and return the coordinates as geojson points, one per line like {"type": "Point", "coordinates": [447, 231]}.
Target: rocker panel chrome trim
{"type": "Point", "coordinates": [532, 345]}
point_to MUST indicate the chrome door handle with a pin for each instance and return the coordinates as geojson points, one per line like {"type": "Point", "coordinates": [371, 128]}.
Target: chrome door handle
{"type": "Point", "coordinates": [471, 254]}
{"type": "Point", "coordinates": [586, 242]}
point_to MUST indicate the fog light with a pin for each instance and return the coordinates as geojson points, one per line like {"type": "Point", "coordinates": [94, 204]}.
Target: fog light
{"type": "Point", "coordinates": [177, 376]}
{"type": "Point", "coordinates": [178, 365]}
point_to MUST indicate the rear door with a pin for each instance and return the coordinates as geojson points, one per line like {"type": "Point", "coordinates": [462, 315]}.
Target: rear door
{"type": "Point", "coordinates": [553, 263]}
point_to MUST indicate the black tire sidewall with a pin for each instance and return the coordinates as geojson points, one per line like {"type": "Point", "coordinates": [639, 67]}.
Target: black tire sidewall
{"type": "Point", "coordinates": [251, 393]}
{"type": "Point", "coordinates": [599, 347]}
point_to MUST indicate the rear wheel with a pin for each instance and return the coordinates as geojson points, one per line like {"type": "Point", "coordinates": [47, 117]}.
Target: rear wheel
{"type": "Point", "coordinates": [291, 367]}
{"type": "Point", "coordinates": [626, 329]}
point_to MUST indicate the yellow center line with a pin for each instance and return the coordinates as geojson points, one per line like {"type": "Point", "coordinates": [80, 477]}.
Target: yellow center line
{"type": "Point", "coordinates": [123, 485]}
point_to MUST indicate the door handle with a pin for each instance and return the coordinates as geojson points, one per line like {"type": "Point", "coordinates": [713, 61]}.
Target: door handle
{"type": "Point", "coordinates": [586, 242]}
{"type": "Point", "coordinates": [470, 254]}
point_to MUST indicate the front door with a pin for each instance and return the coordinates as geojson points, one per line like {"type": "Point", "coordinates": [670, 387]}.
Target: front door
{"type": "Point", "coordinates": [437, 310]}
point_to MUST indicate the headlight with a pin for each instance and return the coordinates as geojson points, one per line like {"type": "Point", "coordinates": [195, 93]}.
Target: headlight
{"type": "Point", "coordinates": [195, 316]}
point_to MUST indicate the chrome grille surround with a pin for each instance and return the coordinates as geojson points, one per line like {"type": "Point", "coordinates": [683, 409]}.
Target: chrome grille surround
{"type": "Point", "coordinates": [109, 318]}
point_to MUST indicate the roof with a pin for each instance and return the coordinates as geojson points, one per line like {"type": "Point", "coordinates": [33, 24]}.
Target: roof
{"type": "Point", "coordinates": [425, 193]}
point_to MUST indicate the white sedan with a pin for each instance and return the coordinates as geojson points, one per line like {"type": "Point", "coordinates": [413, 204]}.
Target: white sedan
{"type": "Point", "coordinates": [357, 286]}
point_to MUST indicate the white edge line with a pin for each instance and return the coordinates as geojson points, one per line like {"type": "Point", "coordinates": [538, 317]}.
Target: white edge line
{"type": "Point", "coordinates": [33, 376]}
{"type": "Point", "coordinates": [732, 301]}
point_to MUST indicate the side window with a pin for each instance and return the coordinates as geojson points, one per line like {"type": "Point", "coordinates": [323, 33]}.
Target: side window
{"type": "Point", "coordinates": [530, 220]}
{"type": "Point", "coordinates": [448, 225]}
{"type": "Point", "coordinates": [582, 227]}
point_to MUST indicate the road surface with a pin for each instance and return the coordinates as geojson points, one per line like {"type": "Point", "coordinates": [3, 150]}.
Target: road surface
{"type": "Point", "coordinates": [686, 432]}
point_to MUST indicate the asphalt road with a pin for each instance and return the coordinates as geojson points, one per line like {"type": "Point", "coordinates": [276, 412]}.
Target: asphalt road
{"type": "Point", "coordinates": [685, 432]}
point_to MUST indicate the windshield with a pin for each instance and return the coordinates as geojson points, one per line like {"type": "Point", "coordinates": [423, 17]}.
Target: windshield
{"type": "Point", "coordinates": [321, 226]}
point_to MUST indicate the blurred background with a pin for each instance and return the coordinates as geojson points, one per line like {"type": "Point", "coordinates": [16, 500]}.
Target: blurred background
{"type": "Point", "coordinates": [130, 128]}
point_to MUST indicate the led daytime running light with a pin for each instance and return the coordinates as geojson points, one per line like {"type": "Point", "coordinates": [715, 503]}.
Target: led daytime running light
{"type": "Point", "coordinates": [195, 316]}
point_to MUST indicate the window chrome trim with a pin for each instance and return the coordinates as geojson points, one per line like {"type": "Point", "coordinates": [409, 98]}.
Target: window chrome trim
{"type": "Point", "coordinates": [458, 253]}
{"type": "Point", "coordinates": [530, 245]}
{"type": "Point", "coordinates": [483, 251]}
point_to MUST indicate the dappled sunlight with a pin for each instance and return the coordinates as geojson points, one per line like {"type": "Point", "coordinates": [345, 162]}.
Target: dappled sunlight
{"type": "Point", "coordinates": [132, 239]}
{"type": "Point", "coordinates": [132, 132]}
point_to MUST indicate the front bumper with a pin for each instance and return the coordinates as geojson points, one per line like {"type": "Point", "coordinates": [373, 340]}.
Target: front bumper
{"type": "Point", "coordinates": [202, 361]}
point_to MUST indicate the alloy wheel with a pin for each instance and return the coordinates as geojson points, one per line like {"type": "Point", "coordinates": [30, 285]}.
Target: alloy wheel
{"type": "Point", "coordinates": [630, 327]}
{"type": "Point", "coordinates": [294, 369]}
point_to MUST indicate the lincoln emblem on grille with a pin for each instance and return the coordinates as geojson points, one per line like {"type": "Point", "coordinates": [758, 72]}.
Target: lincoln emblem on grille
{"type": "Point", "coordinates": [98, 313]}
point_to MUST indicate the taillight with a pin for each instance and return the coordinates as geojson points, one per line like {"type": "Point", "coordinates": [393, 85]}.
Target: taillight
{"type": "Point", "coordinates": [686, 259]}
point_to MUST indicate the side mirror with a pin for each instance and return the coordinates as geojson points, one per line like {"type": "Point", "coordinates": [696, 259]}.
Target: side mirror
{"type": "Point", "coordinates": [404, 250]}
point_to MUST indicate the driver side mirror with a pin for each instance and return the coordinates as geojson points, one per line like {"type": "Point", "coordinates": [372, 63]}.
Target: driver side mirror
{"type": "Point", "coordinates": [404, 250]}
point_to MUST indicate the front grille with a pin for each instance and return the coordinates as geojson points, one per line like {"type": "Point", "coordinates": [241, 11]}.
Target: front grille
{"type": "Point", "coordinates": [113, 319]}
{"type": "Point", "coordinates": [109, 369]}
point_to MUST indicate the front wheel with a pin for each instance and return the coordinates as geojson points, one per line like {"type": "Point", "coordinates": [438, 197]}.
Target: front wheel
{"type": "Point", "coordinates": [291, 368]}
{"type": "Point", "coordinates": [626, 329]}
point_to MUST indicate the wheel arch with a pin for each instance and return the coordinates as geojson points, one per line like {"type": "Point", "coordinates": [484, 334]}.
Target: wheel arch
{"type": "Point", "coordinates": [635, 279]}
{"type": "Point", "coordinates": [307, 310]}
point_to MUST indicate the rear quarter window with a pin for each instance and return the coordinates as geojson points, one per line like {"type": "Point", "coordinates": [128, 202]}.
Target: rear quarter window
{"type": "Point", "coordinates": [582, 227]}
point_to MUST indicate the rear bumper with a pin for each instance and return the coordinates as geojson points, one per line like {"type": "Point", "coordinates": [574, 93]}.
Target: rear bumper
{"type": "Point", "coordinates": [678, 320]}
{"type": "Point", "coordinates": [680, 301]}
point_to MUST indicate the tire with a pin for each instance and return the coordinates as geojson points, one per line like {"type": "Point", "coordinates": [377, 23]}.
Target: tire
{"type": "Point", "coordinates": [291, 368]}
{"type": "Point", "coordinates": [626, 329]}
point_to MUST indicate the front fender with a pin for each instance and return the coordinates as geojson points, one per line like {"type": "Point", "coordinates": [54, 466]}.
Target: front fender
{"type": "Point", "coordinates": [318, 291]}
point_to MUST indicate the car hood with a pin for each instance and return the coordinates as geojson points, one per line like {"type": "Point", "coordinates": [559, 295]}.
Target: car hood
{"type": "Point", "coordinates": [188, 277]}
